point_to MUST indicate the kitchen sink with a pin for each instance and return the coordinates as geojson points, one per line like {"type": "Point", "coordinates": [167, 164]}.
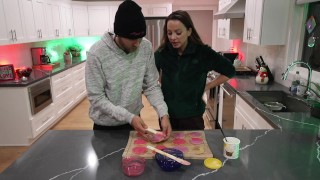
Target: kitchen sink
{"type": "Point", "coordinates": [291, 103]}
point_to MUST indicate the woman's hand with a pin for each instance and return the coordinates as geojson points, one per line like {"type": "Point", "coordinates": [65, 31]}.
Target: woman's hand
{"type": "Point", "coordinates": [166, 126]}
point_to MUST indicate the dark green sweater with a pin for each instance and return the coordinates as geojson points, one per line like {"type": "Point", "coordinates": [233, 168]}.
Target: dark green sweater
{"type": "Point", "coordinates": [184, 77]}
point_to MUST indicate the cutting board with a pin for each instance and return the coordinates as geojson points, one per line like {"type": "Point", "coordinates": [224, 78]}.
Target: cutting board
{"type": "Point", "coordinates": [191, 151]}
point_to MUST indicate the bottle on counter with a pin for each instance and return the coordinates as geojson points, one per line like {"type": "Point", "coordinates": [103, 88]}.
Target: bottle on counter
{"type": "Point", "coordinates": [295, 83]}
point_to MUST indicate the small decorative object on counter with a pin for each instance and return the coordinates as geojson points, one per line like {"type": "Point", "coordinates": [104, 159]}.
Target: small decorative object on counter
{"type": "Point", "coordinates": [295, 83]}
{"type": "Point", "coordinates": [23, 72]}
{"type": "Point", "coordinates": [67, 58]}
{"type": "Point", "coordinates": [262, 76]}
{"type": "Point", "coordinates": [301, 88]}
{"type": "Point", "coordinates": [7, 72]}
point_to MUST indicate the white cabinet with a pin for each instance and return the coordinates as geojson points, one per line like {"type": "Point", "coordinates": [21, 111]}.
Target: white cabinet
{"type": "Point", "coordinates": [266, 22]}
{"type": "Point", "coordinates": [34, 19]}
{"type": "Point", "coordinates": [56, 20]}
{"type": "Point", "coordinates": [43, 120]}
{"type": "Point", "coordinates": [80, 20]}
{"type": "Point", "coordinates": [79, 85]}
{"type": "Point", "coordinates": [66, 20]}
{"type": "Point", "coordinates": [11, 19]}
{"type": "Point", "coordinates": [39, 11]}
{"type": "Point", "coordinates": [101, 18]}
{"type": "Point", "coordinates": [62, 91]}
{"type": "Point", "coordinates": [247, 118]}
{"type": "Point", "coordinates": [229, 28]}
{"type": "Point", "coordinates": [28, 20]}
{"type": "Point", "coordinates": [49, 20]}
{"type": "Point", "coordinates": [156, 10]}
{"type": "Point", "coordinates": [68, 89]}
{"type": "Point", "coordinates": [99, 21]}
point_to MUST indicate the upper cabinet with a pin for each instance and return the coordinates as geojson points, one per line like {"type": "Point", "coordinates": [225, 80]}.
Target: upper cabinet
{"type": "Point", "coordinates": [229, 28]}
{"type": "Point", "coordinates": [80, 20]}
{"type": "Point", "coordinates": [266, 22]}
{"type": "Point", "coordinates": [99, 21]}
{"type": "Point", "coordinates": [156, 10]}
{"type": "Point", "coordinates": [11, 22]}
{"type": "Point", "coordinates": [101, 18]}
{"type": "Point", "coordinates": [66, 20]}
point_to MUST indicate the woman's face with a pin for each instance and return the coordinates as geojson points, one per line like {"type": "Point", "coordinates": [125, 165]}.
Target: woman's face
{"type": "Point", "coordinates": [178, 34]}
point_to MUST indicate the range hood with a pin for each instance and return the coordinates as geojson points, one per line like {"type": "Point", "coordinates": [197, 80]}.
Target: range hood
{"type": "Point", "coordinates": [235, 9]}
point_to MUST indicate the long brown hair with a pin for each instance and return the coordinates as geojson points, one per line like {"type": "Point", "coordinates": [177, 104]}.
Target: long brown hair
{"type": "Point", "coordinates": [185, 19]}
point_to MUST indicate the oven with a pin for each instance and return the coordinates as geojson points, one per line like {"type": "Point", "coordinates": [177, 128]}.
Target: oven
{"type": "Point", "coordinates": [40, 95]}
{"type": "Point", "coordinates": [212, 100]}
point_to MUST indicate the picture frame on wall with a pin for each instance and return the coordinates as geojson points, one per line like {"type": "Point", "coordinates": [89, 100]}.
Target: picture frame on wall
{"type": "Point", "coordinates": [7, 72]}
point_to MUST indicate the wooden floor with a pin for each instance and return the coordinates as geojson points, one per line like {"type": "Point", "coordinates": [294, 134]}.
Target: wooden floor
{"type": "Point", "coordinates": [78, 119]}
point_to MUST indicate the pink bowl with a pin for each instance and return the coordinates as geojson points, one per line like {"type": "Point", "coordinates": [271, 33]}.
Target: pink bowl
{"type": "Point", "coordinates": [133, 165]}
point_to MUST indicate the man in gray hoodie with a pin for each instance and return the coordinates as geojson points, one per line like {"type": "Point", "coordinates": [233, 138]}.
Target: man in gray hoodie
{"type": "Point", "coordinates": [118, 68]}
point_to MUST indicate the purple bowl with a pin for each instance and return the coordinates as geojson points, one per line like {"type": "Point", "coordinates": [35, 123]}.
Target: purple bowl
{"type": "Point", "coordinates": [168, 164]}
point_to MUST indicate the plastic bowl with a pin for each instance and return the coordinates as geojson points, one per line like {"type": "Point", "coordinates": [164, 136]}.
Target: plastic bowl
{"type": "Point", "coordinates": [133, 165]}
{"type": "Point", "coordinates": [166, 163]}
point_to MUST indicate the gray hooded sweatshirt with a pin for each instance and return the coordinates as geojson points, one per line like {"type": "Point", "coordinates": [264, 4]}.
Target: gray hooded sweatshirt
{"type": "Point", "coordinates": [115, 82]}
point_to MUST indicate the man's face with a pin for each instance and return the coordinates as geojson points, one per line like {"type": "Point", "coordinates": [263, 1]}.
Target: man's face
{"type": "Point", "coordinates": [129, 45]}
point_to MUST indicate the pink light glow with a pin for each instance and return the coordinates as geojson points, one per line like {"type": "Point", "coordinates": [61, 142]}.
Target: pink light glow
{"type": "Point", "coordinates": [237, 48]}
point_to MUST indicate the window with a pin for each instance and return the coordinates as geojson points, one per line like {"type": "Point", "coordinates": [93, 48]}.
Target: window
{"type": "Point", "coordinates": [311, 44]}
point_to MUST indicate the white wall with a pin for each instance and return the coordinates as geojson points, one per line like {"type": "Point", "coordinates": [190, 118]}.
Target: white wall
{"type": "Point", "coordinates": [202, 21]}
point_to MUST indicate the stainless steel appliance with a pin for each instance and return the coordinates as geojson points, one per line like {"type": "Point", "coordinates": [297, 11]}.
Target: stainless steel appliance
{"type": "Point", "coordinates": [227, 102]}
{"type": "Point", "coordinates": [40, 95]}
{"type": "Point", "coordinates": [155, 31]}
{"type": "Point", "coordinates": [39, 56]}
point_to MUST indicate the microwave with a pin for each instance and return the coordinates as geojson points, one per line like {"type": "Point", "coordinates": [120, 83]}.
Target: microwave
{"type": "Point", "coordinates": [40, 95]}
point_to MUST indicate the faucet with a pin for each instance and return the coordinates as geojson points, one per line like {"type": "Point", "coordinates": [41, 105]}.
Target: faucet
{"type": "Point", "coordinates": [285, 74]}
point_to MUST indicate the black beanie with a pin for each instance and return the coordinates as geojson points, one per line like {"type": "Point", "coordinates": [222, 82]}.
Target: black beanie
{"type": "Point", "coordinates": [129, 21]}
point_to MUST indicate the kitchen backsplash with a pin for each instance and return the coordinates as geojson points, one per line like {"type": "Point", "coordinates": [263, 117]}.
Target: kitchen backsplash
{"type": "Point", "coordinates": [20, 54]}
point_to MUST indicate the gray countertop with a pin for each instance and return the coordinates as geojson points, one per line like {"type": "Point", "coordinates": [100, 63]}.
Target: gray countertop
{"type": "Point", "coordinates": [291, 151]}
{"type": "Point", "coordinates": [83, 155]}
{"type": "Point", "coordinates": [38, 75]}
{"type": "Point", "coordinates": [242, 84]}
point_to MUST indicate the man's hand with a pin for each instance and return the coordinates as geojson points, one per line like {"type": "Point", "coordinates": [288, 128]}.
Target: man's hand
{"type": "Point", "coordinates": [138, 124]}
{"type": "Point", "coordinates": [166, 126]}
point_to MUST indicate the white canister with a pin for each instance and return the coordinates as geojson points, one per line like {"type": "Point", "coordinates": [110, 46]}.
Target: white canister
{"type": "Point", "coordinates": [231, 147]}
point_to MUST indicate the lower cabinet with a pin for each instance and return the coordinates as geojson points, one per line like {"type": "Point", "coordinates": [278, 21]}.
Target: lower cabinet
{"type": "Point", "coordinates": [18, 127]}
{"type": "Point", "coordinates": [247, 118]}
{"type": "Point", "coordinates": [68, 89]}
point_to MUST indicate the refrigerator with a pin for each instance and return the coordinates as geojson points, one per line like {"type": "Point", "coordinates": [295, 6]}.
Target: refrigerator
{"type": "Point", "coordinates": [155, 31]}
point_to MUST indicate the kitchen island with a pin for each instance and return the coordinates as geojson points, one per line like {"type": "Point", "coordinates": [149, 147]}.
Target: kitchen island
{"type": "Point", "coordinates": [264, 154]}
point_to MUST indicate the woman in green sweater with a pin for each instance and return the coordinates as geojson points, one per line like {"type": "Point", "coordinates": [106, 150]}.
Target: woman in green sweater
{"type": "Point", "coordinates": [183, 61]}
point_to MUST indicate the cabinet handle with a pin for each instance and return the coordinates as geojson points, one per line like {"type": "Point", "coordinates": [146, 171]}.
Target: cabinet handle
{"type": "Point", "coordinates": [243, 127]}
{"type": "Point", "coordinates": [46, 120]}
{"type": "Point", "coordinates": [40, 33]}
{"type": "Point", "coordinates": [69, 32]}
{"type": "Point", "coordinates": [11, 32]}
{"type": "Point", "coordinates": [15, 35]}
{"type": "Point", "coordinates": [247, 33]}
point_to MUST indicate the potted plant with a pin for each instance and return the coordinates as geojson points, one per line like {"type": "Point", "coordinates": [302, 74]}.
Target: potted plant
{"type": "Point", "coordinates": [75, 50]}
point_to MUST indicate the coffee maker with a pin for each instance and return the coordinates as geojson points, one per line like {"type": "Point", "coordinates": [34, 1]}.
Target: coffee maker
{"type": "Point", "coordinates": [39, 56]}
